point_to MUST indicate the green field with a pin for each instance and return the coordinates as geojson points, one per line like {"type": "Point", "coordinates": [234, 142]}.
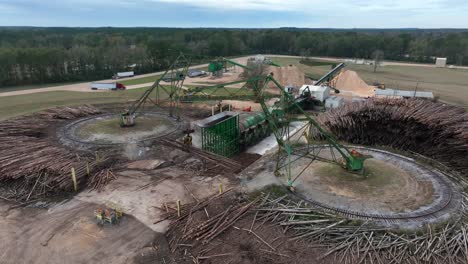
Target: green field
{"type": "Point", "coordinates": [449, 85]}
{"type": "Point", "coordinates": [136, 80]}
{"type": "Point", "coordinates": [32, 86]}
{"type": "Point", "coordinates": [23, 104]}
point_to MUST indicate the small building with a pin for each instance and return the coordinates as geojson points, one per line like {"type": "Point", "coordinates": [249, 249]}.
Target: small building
{"type": "Point", "coordinates": [441, 62]}
{"type": "Point", "coordinates": [403, 94]}
{"type": "Point", "coordinates": [220, 133]}
{"type": "Point", "coordinates": [319, 92]}
{"type": "Point", "coordinates": [334, 102]}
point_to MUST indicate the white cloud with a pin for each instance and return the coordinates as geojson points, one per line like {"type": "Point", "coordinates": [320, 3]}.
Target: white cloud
{"type": "Point", "coordinates": [311, 6]}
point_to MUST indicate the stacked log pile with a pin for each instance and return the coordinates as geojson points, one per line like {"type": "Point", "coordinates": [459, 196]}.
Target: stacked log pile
{"type": "Point", "coordinates": [31, 166]}
{"type": "Point", "coordinates": [431, 129]}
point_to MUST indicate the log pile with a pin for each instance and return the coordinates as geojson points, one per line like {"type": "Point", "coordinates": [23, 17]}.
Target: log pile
{"type": "Point", "coordinates": [228, 164]}
{"type": "Point", "coordinates": [431, 129]}
{"type": "Point", "coordinates": [31, 165]}
{"type": "Point", "coordinates": [356, 242]}
{"type": "Point", "coordinates": [184, 230]}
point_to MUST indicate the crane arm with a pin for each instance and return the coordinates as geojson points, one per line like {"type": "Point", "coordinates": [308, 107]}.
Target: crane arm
{"type": "Point", "coordinates": [237, 64]}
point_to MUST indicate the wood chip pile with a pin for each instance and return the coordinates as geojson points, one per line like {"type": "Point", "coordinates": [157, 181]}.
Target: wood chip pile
{"type": "Point", "coordinates": [431, 129]}
{"type": "Point", "coordinates": [31, 165]}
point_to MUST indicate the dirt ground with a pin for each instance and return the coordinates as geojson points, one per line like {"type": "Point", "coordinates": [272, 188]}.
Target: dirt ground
{"type": "Point", "coordinates": [68, 233]}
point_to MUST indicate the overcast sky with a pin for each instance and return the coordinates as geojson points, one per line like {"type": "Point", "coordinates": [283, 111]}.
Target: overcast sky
{"type": "Point", "coordinates": [237, 13]}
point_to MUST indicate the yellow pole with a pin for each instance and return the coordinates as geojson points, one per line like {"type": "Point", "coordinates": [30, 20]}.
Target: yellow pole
{"type": "Point", "coordinates": [75, 184]}
{"type": "Point", "coordinates": [220, 188]}
{"type": "Point", "coordinates": [178, 208]}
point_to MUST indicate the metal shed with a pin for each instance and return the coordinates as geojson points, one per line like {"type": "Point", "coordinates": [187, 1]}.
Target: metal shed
{"type": "Point", "coordinates": [404, 94]}
{"type": "Point", "coordinates": [220, 133]}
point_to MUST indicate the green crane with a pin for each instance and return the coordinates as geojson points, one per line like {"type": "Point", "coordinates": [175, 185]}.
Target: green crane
{"type": "Point", "coordinates": [170, 86]}
{"type": "Point", "coordinates": [279, 118]}
{"type": "Point", "coordinates": [217, 66]}
{"type": "Point", "coordinates": [353, 160]}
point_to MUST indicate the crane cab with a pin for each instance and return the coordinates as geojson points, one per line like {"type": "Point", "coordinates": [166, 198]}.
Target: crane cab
{"type": "Point", "coordinates": [127, 120]}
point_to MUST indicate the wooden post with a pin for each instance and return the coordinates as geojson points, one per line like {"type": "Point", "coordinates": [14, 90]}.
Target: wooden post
{"type": "Point", "coordinates": [178, 208]}
{"type": "Point", "coordinates": [212, 111]}
{"type": "Point", "coordinates": [97, 157]}
{"type": "Point", "coordinates": [87, 168]}
{"type": "Point", "coordinates": [75, 184]}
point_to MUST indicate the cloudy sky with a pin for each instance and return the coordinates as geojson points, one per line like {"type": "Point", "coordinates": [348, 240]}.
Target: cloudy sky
{"type": "Point", "coordinates": [237, 13]}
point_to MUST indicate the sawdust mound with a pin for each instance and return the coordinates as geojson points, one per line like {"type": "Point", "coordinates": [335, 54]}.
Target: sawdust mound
{"type": "Point", "coordinates": [349, 81]}
{"type": "Point", "coordinates": [289, 75]}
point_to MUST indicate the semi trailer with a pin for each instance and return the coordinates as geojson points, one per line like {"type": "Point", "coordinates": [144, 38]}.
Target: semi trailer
{"type": "Point", "coordinates": [107, 86]}
{"type": "Point", "coordinates": [120, 75]}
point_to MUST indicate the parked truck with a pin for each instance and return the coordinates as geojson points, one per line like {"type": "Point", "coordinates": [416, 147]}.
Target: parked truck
{"type": "Point", "coordinates": [107, 86]}
{"type": "Point", "coordinates": [120, 75]}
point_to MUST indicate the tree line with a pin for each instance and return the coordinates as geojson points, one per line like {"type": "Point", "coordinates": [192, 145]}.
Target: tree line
{"type": "Point", "coordinates": [31, 55]}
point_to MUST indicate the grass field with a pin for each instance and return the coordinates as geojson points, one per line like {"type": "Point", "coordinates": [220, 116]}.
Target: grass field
{"type": "Point", "coordinates": [32, 86]}
{"type": "Point", "coordinates": [23, 104]}
{"type": "Point", "coordinates": [136, 80]}
{"type": "Point", "coordinates": [449, 85]}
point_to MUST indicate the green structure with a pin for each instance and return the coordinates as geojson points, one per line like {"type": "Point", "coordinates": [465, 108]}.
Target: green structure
{"type": "Point", "coordinates": [220, 134]}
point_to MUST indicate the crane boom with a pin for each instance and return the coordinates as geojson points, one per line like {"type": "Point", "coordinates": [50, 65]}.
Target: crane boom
{"type": "Point", "coordinates": [330, 74]}
{"type": "Point", "coordinates": [177, 72]}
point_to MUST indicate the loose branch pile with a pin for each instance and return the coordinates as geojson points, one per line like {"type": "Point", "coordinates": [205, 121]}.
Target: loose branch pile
{"type": "Point", "coordinates": [31, 166]}
{"type": "Point", "coordinates": [432, 129]}
{"type": "Point", "coordinates": [352, 242]}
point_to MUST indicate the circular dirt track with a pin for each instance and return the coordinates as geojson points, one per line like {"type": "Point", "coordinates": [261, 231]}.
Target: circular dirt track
{"type": "Point", "coordinates": [104, 130]}
{"type": "Point", "coordinates": [392, 189]}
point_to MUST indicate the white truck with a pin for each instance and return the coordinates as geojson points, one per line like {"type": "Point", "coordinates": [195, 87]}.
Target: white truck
{"type": "Point", "coordinates": [120, 75]}
{"type": "Point", "coordinates": [107, 86]}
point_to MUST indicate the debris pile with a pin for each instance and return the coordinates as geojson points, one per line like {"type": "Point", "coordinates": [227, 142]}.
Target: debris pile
{"type": "Point", "coordinates": [32, 166]}
{"type": "Point", "coordinates": [349, 81]}
{"type": "Point", "coordinates": [206, 230]}
{"type": "Point", "coordinates": [431, 129]}
{"type": "Point", "coordinates": [226, 228]}
{"type": "Point", "coordinates": [356, 242]}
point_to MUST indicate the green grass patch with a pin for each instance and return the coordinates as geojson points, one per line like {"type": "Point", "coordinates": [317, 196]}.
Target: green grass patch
{"type": "Point", "coordinates": [312, 63]}
{"type": "Point", "coordinates": [136, 80]}
{"type": "Point", "coordinates": [11, 106]}
{"type": "Point", "coordinates": [32, 86]}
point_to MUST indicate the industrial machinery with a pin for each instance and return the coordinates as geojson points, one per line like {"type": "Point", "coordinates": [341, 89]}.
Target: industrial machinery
{"type": "Point", "coordinates": [329, 76]}
{"type": "Point", "coordinates": [229, 134]}
{"type": "Point", "coordinates": [219, 66]}
{"type": "Point", "coordinates": [379, 85]}
{"type": "Point", "coordinates": [110, 214]}
{"type": "Point", "coordinates": [178, 70]}
{"type": "Point", "coordinates": [224, 139]}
